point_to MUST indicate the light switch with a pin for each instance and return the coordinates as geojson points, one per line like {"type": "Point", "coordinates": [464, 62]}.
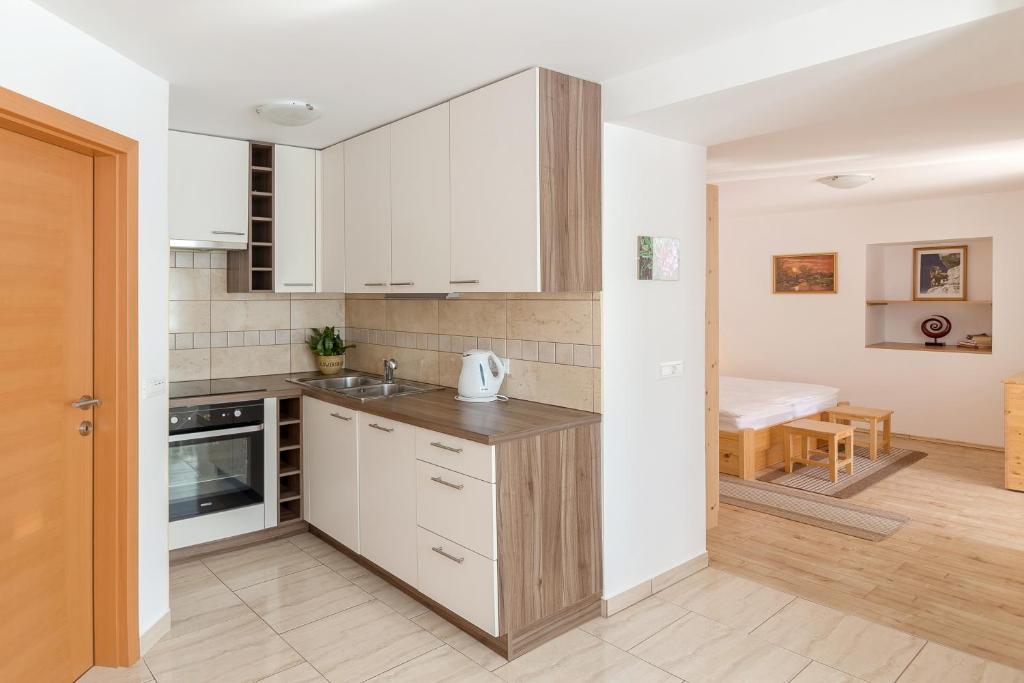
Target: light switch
{"type": "Point", "coordinates": [672, 368]}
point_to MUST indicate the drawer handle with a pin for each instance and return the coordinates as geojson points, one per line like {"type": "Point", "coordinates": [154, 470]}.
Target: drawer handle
{"type": "Point", "coordinates": [383, 429]}
{"type": "Point", "coordinates": [402, 284]}
{"type": "Point", "coordinates": [375, 284]}
{"type": "Point", "coordinates": [437, 444]}
{"type": "Point", "coordinates": [298, 284]}
{"type": "Point", "coordinates": [439, 480]}
{"type": "Point", "coordinates": [440, 551]}
{"type": "Point", "coordinates": [341, 417]}
{"type": "Point", "coordinates": [463, 282]}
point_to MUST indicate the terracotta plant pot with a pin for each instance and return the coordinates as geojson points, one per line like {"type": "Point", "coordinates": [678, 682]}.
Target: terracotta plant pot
{"type": "Point", "coordinates": [331, 365]}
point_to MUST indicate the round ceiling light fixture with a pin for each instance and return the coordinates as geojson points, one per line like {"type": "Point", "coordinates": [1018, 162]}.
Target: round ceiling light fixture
{"type": "Point", "coordinates": [289, 112]}
{"type": "Point", "coordinates": [846, 181]}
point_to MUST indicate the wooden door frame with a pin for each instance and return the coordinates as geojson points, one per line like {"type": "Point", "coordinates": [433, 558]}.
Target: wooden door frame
{"type": "Point", "coordinates": [711, 457]}
{"type": "Point", "coordinates": [115, 310]}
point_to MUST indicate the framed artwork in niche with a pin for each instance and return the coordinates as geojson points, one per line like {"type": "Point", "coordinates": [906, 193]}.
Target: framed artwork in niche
{"type": "Point", "coordinates": [805, 273]}
{"type": "Point", "coordinates": [940, 273]}
{"type": "Point", "coordinates": [657, 258]}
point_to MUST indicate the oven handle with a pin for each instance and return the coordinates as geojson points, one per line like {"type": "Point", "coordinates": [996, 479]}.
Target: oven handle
{"type": "Point", "coordinates": [193, 436]}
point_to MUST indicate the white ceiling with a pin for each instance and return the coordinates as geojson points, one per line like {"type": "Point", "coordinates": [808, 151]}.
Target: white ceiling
{"type": "Point", "coordinates": [367, 62]}
{"type": "Point", "coordinates": [943, 114]}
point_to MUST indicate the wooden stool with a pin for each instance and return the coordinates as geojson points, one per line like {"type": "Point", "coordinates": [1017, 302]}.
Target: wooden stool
{"type": "Point", "coordinates": [809, 432]}
{"type": "Point", "coordinates": [871, 417]}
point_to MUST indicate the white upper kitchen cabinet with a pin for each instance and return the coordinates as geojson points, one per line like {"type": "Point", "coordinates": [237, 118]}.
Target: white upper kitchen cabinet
{"type": "Point", "coordinates": [495, 185]}
{"type": "Point", "coordinates": [208, 190]}
{"type": "Point", "coordinates": [330, 276]}
{"type": "Point", "coordinates": [295, 198]}
{"type": "Point", "coordinates": [330, 471]}
{"type": "Point", "coordinates": [420, 205]}
{"type": "Point", "coordinates": [368, 212]}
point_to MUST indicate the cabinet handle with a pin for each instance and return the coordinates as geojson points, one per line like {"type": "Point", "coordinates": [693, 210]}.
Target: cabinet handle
{"type": "Point", "coordinates": [298, 284]}
{"type": "Point", "coordinates": [463, 282]}
{"type": "Point", "coordinates": [402, 284]}
{"type": "Point", "coordinates": [227, 232]}
{"type": "Point", "coordinates": [341, 417]}
{"type": "Point", "coordinates": [383, 429]}
{"type": "Point", "coordinates": [440, 551]}
{"type": "Point", "coordinates": [439, 480]}
{"type": "Point", "coordinates": [437, 444]}
{"type": "Point", "coordinates": [374, 284]}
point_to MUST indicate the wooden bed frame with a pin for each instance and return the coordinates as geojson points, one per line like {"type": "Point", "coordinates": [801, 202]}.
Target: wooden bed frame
{"type": "Point", "coordinates": [746, 452]}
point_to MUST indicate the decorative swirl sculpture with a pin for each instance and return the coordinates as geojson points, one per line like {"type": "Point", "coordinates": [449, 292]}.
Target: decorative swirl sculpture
{"type": "Point", "coordinates": [936, 327]}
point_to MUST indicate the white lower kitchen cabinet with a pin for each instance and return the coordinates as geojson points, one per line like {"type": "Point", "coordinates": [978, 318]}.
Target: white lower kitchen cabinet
{"type": "Point", "coordinates": [460, 579]}
{"type": "Point", "coordinates": [330, 469]}
{"type": "Point", "coordinates": [387, 495]}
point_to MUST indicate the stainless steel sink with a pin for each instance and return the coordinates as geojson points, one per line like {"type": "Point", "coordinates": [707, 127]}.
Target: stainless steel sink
{"type": "Point", "coordinates": [364, 387]}
{"type": "Point", "coordinates": [339, 383]}
{"type": "Point", "coordinates": [385, 390]}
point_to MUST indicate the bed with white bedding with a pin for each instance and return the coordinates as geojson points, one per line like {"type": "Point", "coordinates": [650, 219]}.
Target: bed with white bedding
{"type": "Point", "coordinates": [751, 411]}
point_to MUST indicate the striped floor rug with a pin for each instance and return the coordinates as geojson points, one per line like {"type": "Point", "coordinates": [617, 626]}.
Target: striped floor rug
{"type": "Point", "coordinates": [810, 508]}
{"type": "Point", "coordinates": [865, 473]}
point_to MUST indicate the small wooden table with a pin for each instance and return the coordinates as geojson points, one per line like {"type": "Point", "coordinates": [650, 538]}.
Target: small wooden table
{"type": "Point", "coordinates": [871, 417]}
{"type": "Point", "coordinates": [809, 432]}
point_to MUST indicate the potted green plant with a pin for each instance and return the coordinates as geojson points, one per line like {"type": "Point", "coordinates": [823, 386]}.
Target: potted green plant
{"type": "Point", "coordinates": [329, 348]}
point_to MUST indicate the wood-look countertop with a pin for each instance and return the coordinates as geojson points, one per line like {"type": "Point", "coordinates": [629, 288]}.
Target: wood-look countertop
{"type": "Point", "coordinates": [1015, 379]}
{"type": "Point", "coordinates": [487, 423]}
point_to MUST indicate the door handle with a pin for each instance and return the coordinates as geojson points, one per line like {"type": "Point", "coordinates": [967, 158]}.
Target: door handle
{"type": "Point", "coordinates": [86, 402]}
{"type": "Point", "coordinates": [298, 284]}
{"type": "Point", "coordinates": [341, 417]}
{"type": "Point", "coordinates": [453, 558]}
{"type": "Point", "coordinates": [439, 480]}
{"type": "Point", "coordinates": [437, 444]}
{"type": "Point", "coordinates": [383, 429]}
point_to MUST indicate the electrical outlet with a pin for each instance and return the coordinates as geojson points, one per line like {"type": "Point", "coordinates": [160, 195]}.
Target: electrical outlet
{"type": "Point", "coordinates": [669, 369]}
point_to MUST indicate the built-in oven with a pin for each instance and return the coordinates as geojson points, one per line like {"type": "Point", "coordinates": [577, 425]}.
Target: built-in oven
{"type": "Point", "coordinates": [216, 458]}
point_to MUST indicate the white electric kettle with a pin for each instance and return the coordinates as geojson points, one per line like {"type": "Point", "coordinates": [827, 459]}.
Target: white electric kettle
{"type": "Point", "coordinates": [481, 377]}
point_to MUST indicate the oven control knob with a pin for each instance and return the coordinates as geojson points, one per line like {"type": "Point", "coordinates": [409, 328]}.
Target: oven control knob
{"type": "Point", "coordinates": [238, 413]}
{"type": "Point", "coordinates": [174, 419]}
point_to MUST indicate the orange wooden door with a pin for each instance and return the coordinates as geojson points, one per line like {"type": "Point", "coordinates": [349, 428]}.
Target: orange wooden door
{"type": "Point", "coordinates": [46, 362]}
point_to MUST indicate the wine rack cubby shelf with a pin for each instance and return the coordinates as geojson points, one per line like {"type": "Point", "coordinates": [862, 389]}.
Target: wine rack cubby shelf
{"type": "Point", "coordinates": [252, 270]}
{"type": "Point", "coordinates": [289, 467]}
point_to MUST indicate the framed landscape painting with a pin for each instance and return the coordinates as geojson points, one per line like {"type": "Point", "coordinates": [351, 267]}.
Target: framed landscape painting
{"type": "Point", "coordinates": [940, 273]}
{"type": "Point", "coordinates": [805, 273]}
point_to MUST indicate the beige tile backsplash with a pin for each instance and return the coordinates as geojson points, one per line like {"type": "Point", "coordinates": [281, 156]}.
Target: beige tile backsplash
{"type": "Point", "coordinates": [215, 334]}
{"type": "Point", "coordinates": [553, 340]}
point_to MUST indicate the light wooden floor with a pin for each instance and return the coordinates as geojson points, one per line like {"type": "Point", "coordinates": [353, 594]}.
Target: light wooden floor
{"type": "Point", "coordinates": [954, 574]}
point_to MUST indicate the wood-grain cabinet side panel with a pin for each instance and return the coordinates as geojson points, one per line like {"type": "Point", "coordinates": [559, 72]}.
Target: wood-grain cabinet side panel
{"type": "Point", "coordinates": [549, 533]}
{"type": "Point", "coordinates": [570, 183]}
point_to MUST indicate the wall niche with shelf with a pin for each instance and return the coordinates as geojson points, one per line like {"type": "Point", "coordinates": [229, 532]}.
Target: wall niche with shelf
{"type": "Point", "coordinates": [893, 317]}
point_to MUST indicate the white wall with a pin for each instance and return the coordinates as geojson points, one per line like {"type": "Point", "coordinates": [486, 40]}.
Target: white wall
{"type": "Point", "coordinates": [654, 513]}
{"type": "Point", "coordinates": [47, 59]}
{"type": "Point", "coordinates": [820, 338]}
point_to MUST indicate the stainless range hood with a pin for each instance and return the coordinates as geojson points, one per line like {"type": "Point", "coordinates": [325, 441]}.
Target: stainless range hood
{"type": "Point", "coordinates": [207, 244]}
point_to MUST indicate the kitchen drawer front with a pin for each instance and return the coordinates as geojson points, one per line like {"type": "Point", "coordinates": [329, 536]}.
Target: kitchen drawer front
{"type": "Point", "coordinates": [467, 457]}
{"type": "Point", "coordinates": [459, 579]}
{"type": "Point", "coordinates": [457, 507]}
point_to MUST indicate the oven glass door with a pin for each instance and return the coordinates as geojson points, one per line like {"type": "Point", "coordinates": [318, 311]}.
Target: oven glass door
{"type": "Point", "coordinates": [215, 470]}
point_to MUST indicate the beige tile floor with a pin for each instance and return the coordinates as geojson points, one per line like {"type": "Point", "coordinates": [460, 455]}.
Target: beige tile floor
{"type": "Point", "coordinates": [297, 611]}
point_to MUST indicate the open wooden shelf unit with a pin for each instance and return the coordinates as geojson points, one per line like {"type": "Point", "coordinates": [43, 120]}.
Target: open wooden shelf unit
{"type": "Point", "coordinates": [289, 468]}
{"type": "Point", "coordinates": [252, 269]}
